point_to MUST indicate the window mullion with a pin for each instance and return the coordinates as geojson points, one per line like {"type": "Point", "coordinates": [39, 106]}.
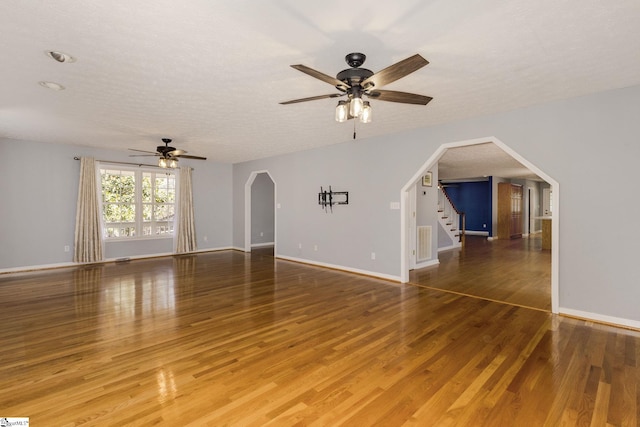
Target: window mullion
{"type": "Point", "coordinates": [138, 198]}
{"type": "Point", "coordinates": [153, 203]}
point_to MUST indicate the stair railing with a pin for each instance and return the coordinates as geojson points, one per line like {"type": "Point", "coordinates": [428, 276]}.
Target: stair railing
{"type": "Point", "coordinates": [455, 218]}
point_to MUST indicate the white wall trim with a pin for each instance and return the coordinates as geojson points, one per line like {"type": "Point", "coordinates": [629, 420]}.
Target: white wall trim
{"type": "Point", "coordinates": [107, 260]}
{"type": "Point", "coordinates": [262, 245]}
{"type": "Point", "coordinates": [429, 263]}
{"type": "Point", "coordinates": [341, 268]}
{"type": "Point", "coordinates": [601, 318]}
{"type": "Point", "coordinates": [476, 233]}
{"type": "Point", "coordinates": [38, 267]}
{"type": "Point", "coordinates": [432, 162]}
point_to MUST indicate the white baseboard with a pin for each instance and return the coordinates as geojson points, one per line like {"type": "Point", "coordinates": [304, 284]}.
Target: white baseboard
{"type": "Point", "coordinates": [222, 248]}
{"type": "Point", "coordinates": [341, 267]}
{"type": "Point", "coordinates": [447, 248]}
{"type": "Point", "coordinates": [600, 318]}
{"type": "Point", "coordinates": [262, 245]}
{"type": "Point", "coordinates": [476, 233]}
{"type": "Point", "coordinates": [104, 261]}
{"type": "Point", "coordinates": [37, 267]}
{"type": "Point", "coordinates": [426, 264]}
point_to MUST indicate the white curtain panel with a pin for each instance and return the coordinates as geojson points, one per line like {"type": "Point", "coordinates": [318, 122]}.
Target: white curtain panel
{"type": "Point", "coordinates": [186, 229]}
{"type": "Point", "coordinates": [88, 235]}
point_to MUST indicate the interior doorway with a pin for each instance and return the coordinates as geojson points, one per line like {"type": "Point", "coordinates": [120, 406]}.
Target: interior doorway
{"type": "Point", "coordinates": [260, 212]}
{"type": "Point", "coordinates": [432, 162]}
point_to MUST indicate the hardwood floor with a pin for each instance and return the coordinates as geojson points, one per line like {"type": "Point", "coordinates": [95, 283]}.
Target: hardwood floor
{"type": "Point", "coordinates": [514, 271]}
{"type": "Point", "coordinates": [228, 338]}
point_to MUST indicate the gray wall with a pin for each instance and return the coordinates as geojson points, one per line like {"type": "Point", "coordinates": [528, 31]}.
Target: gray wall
{"type": "Point", "coordinates": [585, 144]}
{"type": "Point", "coordinates": [39, 189]}
{"type": "Point", "coordinates": [349, 235]}
{"type": "Point", "coordinates": [589, 145]}
{"type": "Point", "coordinates": [262, 213]}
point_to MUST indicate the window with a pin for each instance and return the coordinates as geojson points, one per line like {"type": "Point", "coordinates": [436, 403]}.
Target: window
{"type": "Point", "coordinates": [137, 202]}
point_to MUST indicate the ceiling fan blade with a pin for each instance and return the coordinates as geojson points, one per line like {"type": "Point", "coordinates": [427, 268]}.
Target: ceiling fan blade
{"type": "Point", "coordinates": [143, 151]}
{"type": "Point", "coordinates": [395, 96]}
{"type": "Point", "coordinates": [182, 156]}
{"type": "Point", "coordinates": [176, 153]}
{"type": "Point", "coordinates": [321, 76]}
{"type": "Point", "coordinates": [313, 98]}
{"type": "Point", "coordinates": [143, 155]}
{"type": "Point", "coordinates": [395, 71]}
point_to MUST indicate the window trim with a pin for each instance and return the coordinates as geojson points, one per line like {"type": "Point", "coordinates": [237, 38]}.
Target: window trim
{"type": "Point", "coordinates": [138, 203]}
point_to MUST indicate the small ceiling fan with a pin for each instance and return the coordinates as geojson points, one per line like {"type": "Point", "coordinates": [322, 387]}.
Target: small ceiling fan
{"type": "Point", "coordinates": [356, 82]}
{"type": "Point", "coordinates": [168, 156]}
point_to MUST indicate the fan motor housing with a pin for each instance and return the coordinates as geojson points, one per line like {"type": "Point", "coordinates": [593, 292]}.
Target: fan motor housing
{"type": "Point", "coordinates": [354, 76]}
{"type": "Point", "coordinates": [164, 149]}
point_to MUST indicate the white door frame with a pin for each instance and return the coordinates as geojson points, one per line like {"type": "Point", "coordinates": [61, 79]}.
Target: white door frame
{"type": "Point", "coordinates": [433, 161]}
{"type": "Point", "coordinates": [247, 211]}
{"type": "Point", "coordinates": [412, 229]}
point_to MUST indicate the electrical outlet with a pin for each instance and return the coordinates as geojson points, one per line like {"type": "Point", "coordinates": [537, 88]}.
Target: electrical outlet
{"type": "Point", "coordinates": [67, 248]}
{"type": "Point", "coordinates": [373, 255]}
{"type": "Point", "coordinates": [484, 225]}
{"type": "Point", "coordinates": [205, 238]}
{"type": "Point", "coordinates": [299, 245]}
{"type": "Point", "coordinates": [261, 234]}
{"type": "Point", "coordinates": [315, 247]}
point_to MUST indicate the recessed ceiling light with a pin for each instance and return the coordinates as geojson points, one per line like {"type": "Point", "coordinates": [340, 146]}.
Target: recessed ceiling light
{"type": "Point", "coordinates": [60, 56]}
{"type": "Point", "coordinates": [51, 85]}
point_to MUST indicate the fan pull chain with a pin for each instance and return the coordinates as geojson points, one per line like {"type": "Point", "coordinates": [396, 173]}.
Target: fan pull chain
{"type": "Point", "coordinates": [354, 128]}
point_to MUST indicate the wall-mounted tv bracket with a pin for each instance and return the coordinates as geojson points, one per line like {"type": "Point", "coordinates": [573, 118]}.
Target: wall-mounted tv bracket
{"type": "Point", "coordinates": [327, 199]}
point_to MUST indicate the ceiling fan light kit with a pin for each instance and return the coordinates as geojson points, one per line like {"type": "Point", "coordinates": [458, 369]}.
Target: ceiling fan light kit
{"type": "Point", "coordinates": [170, 163]}
{"type": "Point", "coordinates": [356, 82]}
{"type": "Point", "coordinates": [167, 156]}
{"type": "Point", "coordinates": [342, 111]}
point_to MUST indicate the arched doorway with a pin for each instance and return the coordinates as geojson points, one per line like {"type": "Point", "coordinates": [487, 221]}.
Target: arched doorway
{"type": "Point", "coordinates": [260, 211]}
{"type": "Point", "coordinates": [432, 162]}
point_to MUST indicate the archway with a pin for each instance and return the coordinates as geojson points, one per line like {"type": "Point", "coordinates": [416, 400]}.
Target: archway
{"type": "Point", "coordinates": [248, 211]}
{"type": "Point", "coordinates": [433, 161]}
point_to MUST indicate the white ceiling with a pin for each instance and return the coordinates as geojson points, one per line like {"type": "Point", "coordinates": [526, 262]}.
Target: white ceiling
{"type": "Point", "coordinates": [210, 74]}
{"type": "Point", "coordinates": [479, 161]}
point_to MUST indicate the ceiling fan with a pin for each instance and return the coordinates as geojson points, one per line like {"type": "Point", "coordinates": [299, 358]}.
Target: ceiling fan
{"type": "Point", "coordinates": [356, 82]}
{"type": "Point", "coordinates": [168, 156]}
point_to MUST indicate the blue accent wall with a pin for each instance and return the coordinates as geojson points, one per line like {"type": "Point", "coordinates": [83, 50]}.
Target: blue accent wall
{"type": "Point", "coordinates": [474, 199]}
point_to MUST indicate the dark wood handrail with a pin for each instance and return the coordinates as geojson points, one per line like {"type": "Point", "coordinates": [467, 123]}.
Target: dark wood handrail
{"type": "Point", "coordinates": [450, 201]}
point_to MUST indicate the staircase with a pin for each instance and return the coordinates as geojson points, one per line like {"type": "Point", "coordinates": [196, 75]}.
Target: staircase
{"type": "Point", "coordinates": [450, 218]}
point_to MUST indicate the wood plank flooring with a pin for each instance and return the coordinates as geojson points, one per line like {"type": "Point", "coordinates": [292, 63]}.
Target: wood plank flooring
{"type": "Point", "coordinates": [514, 271]}
{"type": "Point", "coordinates": [228, 338]}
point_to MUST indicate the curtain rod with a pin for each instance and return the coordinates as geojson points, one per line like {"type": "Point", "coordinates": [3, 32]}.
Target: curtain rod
{"type": "Point", "coordinates": [128, 163]}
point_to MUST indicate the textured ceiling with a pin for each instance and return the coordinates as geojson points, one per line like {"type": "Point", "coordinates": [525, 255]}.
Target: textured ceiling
{"type": "Point", "coordinates": [481, 160]}
{"type": "Point", "coordinates": [210, 74]}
